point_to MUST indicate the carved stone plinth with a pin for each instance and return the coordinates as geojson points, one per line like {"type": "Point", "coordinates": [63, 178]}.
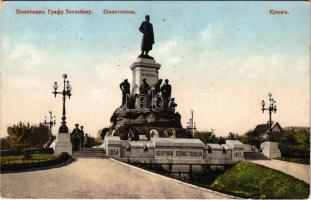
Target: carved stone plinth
{"type": "Point", "coordinates": [63, 144]}
{"type": "Point", "coordinates": [270, 149]}
{"type": "Point", "coordinates": [144, 68]}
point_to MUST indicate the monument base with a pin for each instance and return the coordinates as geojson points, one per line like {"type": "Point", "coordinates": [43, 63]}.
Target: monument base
{"type": "Point", "coordinates": [63, 144]}
{"type": "Point", "coordinates": [178, 152]}
{"type": "Point", "coordinates": [270, 149]}
{"type": "Point", "coordinates": [144, 68]}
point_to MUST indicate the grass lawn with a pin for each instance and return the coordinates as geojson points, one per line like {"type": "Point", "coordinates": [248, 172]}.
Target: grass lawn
{"type": "Point", "coordinates": [249, 180]}
{"type": "Point", "coordinates": [20, 163]}
{"type": "Point", "coordinates": [8, 160]}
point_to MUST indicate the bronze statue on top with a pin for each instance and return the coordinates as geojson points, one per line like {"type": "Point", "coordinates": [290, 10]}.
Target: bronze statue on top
{"type": "Point", "coordinates": [148, 38]}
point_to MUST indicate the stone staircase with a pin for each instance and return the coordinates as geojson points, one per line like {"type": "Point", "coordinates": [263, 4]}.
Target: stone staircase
{"type": "Point", "coordinates": [90, 153]}
{"type": "Point", "coordinates": [255, 156]}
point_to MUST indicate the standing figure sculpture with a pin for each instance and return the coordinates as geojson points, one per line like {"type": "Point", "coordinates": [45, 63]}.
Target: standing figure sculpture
{"type": "Point", "coordinates": [157, 87]}
{"type": "Point", "coordinates": [172, 105]}
{"type": "Point", "coordinates": [148, 37]}
{"type": "Point", "coordinates": [125, 88]}
{"type": "Point", "coordinates": [166, 91]}
{"type": "Point", "coordinates": [144, 88]}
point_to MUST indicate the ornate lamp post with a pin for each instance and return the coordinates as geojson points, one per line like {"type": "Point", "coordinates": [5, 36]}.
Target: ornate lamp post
{"type": "Point", "coordinates": [50, 124]}
{"type": "Point", "coordinates": [271, 108]}
{"type": "Point", "coordinates": [66, 92]}
{"type": "Point", "coordinates": [191, 124]}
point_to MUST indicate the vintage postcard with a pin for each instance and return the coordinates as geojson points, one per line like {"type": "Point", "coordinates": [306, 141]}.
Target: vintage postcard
{"type": "Point", "coordinates": [155, 99]}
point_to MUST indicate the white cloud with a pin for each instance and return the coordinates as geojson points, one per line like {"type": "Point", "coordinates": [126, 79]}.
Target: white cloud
{"type": "Point", "coordinates": [212, 31]}
{"type": "Point", "coordinates": [303, 66]}
{"type": "Point", "coordinates": [25, 56]}
{"type": "Point", "coordinates": [168, 52]}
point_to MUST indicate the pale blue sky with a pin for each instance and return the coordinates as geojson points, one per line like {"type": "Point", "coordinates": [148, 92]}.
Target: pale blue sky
{"type": "Point", "coordinates": [221, 57]}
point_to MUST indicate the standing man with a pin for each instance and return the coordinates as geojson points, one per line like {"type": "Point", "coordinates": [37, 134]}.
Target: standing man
{"type": "Point", "coordinates": [125, 88]}
{"type": "Point", "coordinates": [166, 91]}
{"type": "Point", "coordinates": [148, 37]}
{"type": "Point", "coordinates": [81, 137]}
{"type": "Point", "coordinates": [75, 137]}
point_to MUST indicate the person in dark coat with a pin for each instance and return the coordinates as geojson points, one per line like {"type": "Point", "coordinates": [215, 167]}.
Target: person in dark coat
{"type": "Point", "coordinates": [148, 38]}
{"type": "Point", "coordinates": [81, 136]}
{"type": "Point", "coordinates": [75, 137]}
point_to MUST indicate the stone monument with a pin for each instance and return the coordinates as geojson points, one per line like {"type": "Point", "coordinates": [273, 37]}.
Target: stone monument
{"type": "Point", "coordinates": [146, 128]}
{"type": "Point", "coordinates": [148, 108]}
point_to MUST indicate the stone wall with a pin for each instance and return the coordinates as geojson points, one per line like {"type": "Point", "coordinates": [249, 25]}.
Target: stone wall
{"type": "Point", "coordinates": [174, 151]}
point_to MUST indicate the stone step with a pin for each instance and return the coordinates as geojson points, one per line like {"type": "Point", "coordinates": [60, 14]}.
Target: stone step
{"type": "Point", "coordinates": [255, 156]}
{"type": "Point", "coordinates": [90, 151]}
{"type": "Point", "coordinates": [88, 154]}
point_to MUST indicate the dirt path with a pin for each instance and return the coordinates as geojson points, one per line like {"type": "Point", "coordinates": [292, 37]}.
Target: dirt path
{"type": "Point", "coordinates": [97, 178]}
{"type": "Point", "coordinates": [300, 171]}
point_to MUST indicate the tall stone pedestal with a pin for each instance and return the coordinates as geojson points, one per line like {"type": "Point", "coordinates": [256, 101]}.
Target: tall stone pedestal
{"type": "Point", "coordinates": [270, 149]}
{"type": "Point", "coordinates": [63, 144]}
{"type": "Point", "coordinates": [144, 68]}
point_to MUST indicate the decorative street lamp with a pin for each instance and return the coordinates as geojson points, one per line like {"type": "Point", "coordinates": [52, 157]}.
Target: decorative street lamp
{"type": "Point", "coordinates": [66, 92]}
{"type": "Point", "coordinates": [50, 124]}
{"type": "Point", "coordinates": [271, 108]}
{"type": "Point", "coordinates": [191, 124]}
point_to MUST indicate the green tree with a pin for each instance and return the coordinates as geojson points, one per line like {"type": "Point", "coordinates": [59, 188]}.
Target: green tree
{"type": "Point", "coordinates": [4, 143]}
{"type": "Point", "coordinates": [26, 136]}
{"type": "Point", "coordinates": [102, 133]}
{"type": "Point", "coordinates": [92, 141]}
{"type": "Point", "coordinates": [206, 136]}
{"type": "Point", "coordinates": [252, 138]}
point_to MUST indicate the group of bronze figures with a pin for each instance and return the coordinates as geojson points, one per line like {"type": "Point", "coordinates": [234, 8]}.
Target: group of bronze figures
{"type": "Point", "coordinates": [78, 138]}
{"type": "Point", "coordinates": [157, 96]}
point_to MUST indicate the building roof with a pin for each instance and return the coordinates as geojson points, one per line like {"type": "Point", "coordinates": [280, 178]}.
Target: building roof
{"type": "Point", "coordinates": [263, 128]}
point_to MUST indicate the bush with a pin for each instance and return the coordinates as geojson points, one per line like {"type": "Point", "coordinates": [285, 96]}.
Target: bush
{"type": "Point", "coordinates": [18, 152]}
{"type": "Point", "coordinates": [206, 137]}
{"type": "Point", "coordinates": [4, 143]}
{"type": "Point", "coordinates": [27, 155]}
